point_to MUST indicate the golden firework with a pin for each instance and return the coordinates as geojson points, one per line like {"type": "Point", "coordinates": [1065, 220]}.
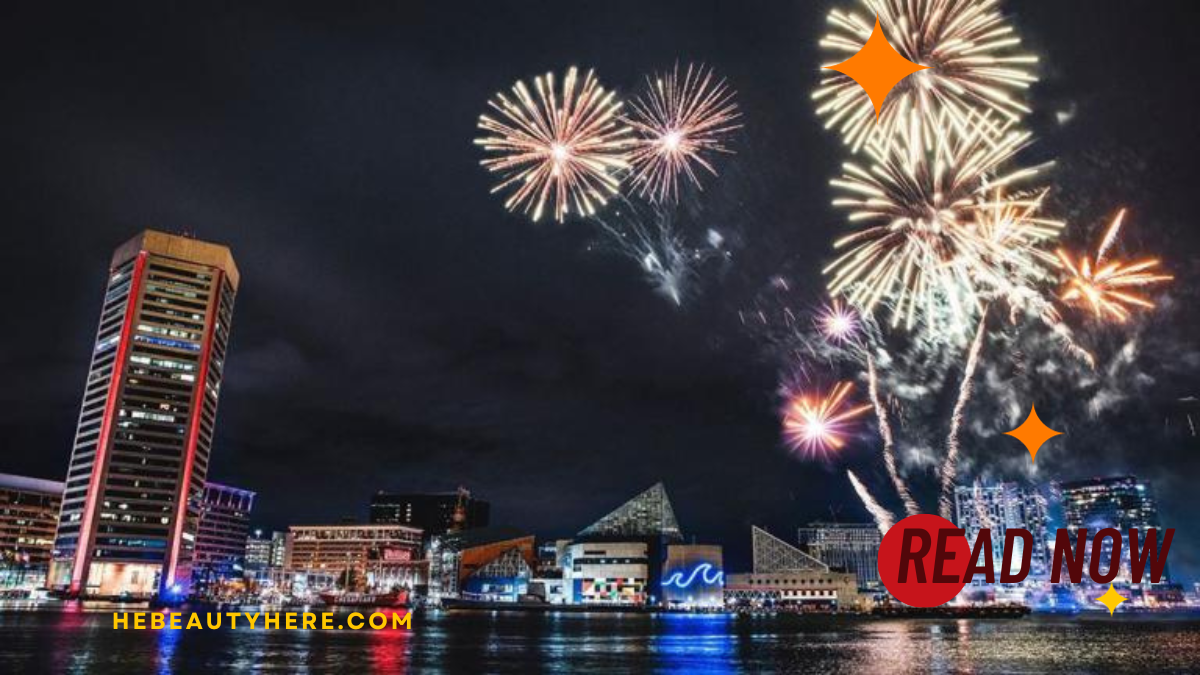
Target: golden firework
{"type": "Point", "coordinates": [566, 146]}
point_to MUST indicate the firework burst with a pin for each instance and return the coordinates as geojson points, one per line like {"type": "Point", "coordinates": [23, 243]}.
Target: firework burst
{"type": "Point", "coordinates": [816, 422]}
{"type": "Point", "coordinates": [973, 57]}
{"type": "Point", "coordinates": [935, 229]}
{"type": "Point", "coordinates": [563, 147]}
{"type": "Point", "coordinates": [838, 323]}
{"type": "Point", "coordinates": [1108, 288]}
{"type": "Point", "coordinates": [680, 121]}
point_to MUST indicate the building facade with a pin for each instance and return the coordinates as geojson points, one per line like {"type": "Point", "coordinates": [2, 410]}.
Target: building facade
{"type": "Point", "coordinates": [492, 564]}
{"type": "Point", "coordinates": [798, 589]}
{"type": "Point", "coordinates": [1122, 502]}
{"type": "Point", "coordinates": [435, 513]}
{"type": "Point", "coordinates": [222, 535]}
{"type": "Point", "coordinates": [265, 551]}
{"type": "Point", "coordinates": [131, 506]}
{"type": "Point", "coordinates": [28, 518]}
{"type": "Point", "coordinates": [607, 573]}
{"type": "Point", "coordinates": [356, 556]}
{"type": "Point", "coordinates": [786, 577]}
{"type": "Point", "coordinates": [999, 508]}
{"type": "Point", "coordinates": [849, 547]}
{"type": "Point", "coordinates": [694, 576]}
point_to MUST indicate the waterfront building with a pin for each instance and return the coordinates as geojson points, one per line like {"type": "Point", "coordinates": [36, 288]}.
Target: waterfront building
{"type": "Point", "coordinates": [786, 577]}
{"type": "Point", "coordinates": [647, 518]}
{"type": "Point", "coordinates": [222, 535]}
{"type": "Point", "coordinates": [258, 551]}
{"type": "Point", "coordinates": [849, 547]}
{"type": "Point", "coordinates": [28, 518]}
{"type": "Point", "coordinates": [607, 573]}
{"type": "Point", "coordinates": [999, 508]}
{"type": "Point", "coordinates": [693, 576]}
{"type": "Point", "coordinates": [648, 514]}
{"type": "Point", "coordinates": [266, 552]}
{"type": "Point", "coordinates": [493, 564]}
{"type": "Point", "coordinates": [435, 513]}
{"type": "Point", "coordinates": [1121, 502]}
{"type": "Point", "coordinates": [131, 505]}
{"type": "Point", "coordinates": [378, 557]}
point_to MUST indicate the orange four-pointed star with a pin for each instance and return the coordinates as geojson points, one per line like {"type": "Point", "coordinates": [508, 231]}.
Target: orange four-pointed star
{"type": "Point", "coordinates": [1032, 433]}
{"type": "Point", "coordinates": [877, 67]}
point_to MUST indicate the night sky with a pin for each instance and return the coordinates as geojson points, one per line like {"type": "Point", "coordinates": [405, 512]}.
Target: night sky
{"type": "Point", "coordinates": [397, 329]}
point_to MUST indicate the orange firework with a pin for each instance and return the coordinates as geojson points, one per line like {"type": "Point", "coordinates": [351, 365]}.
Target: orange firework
{"type": "Point", "coordinates": [817, 422]}
{"type": "Point", "coordinates": [565, 147]}
{"type": "Point", "coordinates": [1108, 287]}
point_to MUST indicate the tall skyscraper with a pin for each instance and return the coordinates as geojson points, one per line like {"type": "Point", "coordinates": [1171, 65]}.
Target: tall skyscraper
{"type": "Point", "coordinates": [852, 547]}
{"type": "Point", "coordinates": [1122, 502]}
{"type": "Point", "coordinates": [999, 508]}
{"type": "Point", "coordinates": [134, 485]}
{"type": "Point", "coordinates": [221, 538]}
{"type": "Point", "coordinates": [435, 513]}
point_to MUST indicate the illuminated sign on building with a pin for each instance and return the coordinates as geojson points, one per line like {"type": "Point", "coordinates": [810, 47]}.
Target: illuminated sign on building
{"type": "Point", "coordinates": [704, 573]}
{"type": "Point", "coordinates": [693, 576]}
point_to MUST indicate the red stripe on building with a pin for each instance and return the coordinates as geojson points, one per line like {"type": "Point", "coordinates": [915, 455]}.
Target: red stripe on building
{"type": "Point", "coordinates": [194, 430]}
{"type": "Point", "coordinates": [83, 555]}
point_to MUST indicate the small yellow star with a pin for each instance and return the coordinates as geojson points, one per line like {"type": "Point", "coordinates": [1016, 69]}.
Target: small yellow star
{"type": "Point", "coordinates": [877, 67]}
{"type": "Point", "coordinates": [1111, 599]}
{"type": "Point", "coordinates": [1033, 433]}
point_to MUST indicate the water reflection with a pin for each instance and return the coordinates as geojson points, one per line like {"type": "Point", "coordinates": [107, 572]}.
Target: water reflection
{"type": "Point", "coordinates": [693, 643]}
{"type": "Point", "coordinates": [168, 641]}
{"type": "Point", "coordinates": [503, 642]}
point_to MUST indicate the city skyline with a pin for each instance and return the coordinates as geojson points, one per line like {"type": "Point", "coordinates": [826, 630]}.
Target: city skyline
{"type": "Point", "coordinates": [397, 321]}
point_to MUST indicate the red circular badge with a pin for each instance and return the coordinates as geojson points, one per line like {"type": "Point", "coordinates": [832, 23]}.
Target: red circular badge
{"type": "Point", "coordinates": [935, 556]}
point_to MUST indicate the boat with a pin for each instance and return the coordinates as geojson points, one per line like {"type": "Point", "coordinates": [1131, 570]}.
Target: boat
{"type": "Point", "coordinates": [392, 599]}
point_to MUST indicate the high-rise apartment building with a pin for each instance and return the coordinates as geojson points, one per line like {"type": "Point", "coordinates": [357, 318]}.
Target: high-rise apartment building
{"type": "Point", "coordinates": [221, 538]}
{"type": "Point", "coordinates": [131, 508]}
{"type": "Point", "coordinates": [1122, 502]}
{"type": "Point", "coordinates": [998, 508]}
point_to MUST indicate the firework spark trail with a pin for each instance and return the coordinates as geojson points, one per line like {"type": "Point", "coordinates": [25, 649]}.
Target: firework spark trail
{"type": "Point", "coordinates": [883, 518]}
{"type": "Point", "coordinates": [971, 51]}
{"type": "Point", "coordinates": [566, 146]}
{"type": "Point", "coordinates": [889, 445]}
{"type": "Point", "coordinates": [949, 470]}
{"type": "Point", "coordinates": [657, 246]}
{"type": "Point", "coordinates": [679, 122]}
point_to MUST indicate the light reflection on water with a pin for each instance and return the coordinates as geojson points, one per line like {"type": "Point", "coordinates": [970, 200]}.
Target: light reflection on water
{"type": "Point", "coordinates": [62, 641]}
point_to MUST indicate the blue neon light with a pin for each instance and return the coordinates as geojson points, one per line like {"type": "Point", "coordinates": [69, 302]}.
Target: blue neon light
{"type": "Point", "coordinates": [705, 571]}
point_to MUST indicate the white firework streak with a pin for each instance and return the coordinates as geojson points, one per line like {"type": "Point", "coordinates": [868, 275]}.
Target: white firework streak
{"type": "Point", "coordinates": [883, 517]}
{"type": "Point", "coordinates": [889, 443]}
{"type": "Point", "coordinates": [950, 464]}
{"type": "Point", "coordinates": [653, 242]}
